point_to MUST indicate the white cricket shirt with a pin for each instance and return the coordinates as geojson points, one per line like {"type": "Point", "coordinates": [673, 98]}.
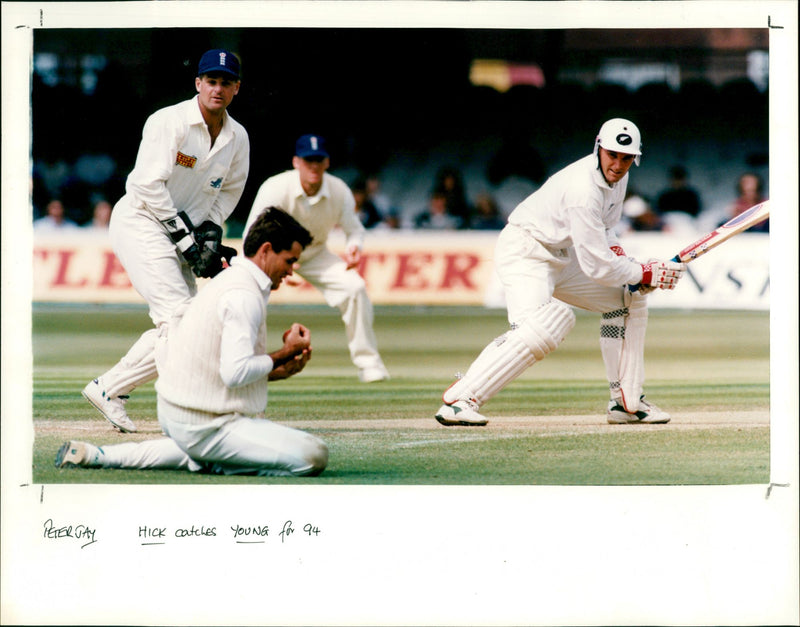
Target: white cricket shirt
{"type": "Point", "coordinates": [577, 208]}
{"type": "Point", "coordinates": [333, 206]}
{"type": "Point", "coordinates": [240, 313]}
{"type": "Point", "coordinates": [178, 170]}
{"type": "Point", "coordinates": [214, 360]}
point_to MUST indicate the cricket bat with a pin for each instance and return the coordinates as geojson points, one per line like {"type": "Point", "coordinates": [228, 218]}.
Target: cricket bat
{"type": "Point", "coordinates": [754, 215]}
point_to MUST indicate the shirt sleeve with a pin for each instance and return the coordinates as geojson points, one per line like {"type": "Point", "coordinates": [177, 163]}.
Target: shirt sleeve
{"type": "Point", "coordinates": [155, 162]}
{"type": "Point", "coordinates": [596, 259]}
{"type": "Point", "coordinates": [240, 314]}
{"type": "Point", "coordinates": [612, 238]}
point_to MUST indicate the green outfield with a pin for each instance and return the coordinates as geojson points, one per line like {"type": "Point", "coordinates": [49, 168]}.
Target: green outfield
{"type": "Point", "coordinates": [710, 370]}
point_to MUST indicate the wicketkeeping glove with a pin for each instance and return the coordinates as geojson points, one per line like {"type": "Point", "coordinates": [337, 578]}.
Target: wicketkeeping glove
{"type": "Point", "coordinates": [204, 261]}
{"type": "Point", "coordinates": [209, 234]}
{"type": "Point", "coordinates": [662, 274]}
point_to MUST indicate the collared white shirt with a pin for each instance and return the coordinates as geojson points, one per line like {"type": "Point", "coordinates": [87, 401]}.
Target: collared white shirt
{"type": "Point", "coordinates": [240, 314]}
{"type": "Point", "coordinates": [577, 208]}
{"type": "Point", "coordinates": [333, 206]}
{"type": "Point", "coordinates": [177, 169]}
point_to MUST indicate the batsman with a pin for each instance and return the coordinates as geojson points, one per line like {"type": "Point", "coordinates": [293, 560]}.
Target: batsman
{"type": "Point", "coordinates": [559, 250]}
{"type": "Point", "coordinates": [190, 172]}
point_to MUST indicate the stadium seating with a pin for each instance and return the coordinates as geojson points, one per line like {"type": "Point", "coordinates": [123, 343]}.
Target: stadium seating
{"type": "Point", "coordinates": [503, 143]}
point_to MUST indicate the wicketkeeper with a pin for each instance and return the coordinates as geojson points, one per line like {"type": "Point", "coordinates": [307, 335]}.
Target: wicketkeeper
{"type": "Point", "coordinates": [559, 249]}
{"type": "Point", "coordinates": [190, 172]}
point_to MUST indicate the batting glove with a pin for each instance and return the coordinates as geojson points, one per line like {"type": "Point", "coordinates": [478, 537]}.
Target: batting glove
{"type": "Point", "coordinates": [663, 275]}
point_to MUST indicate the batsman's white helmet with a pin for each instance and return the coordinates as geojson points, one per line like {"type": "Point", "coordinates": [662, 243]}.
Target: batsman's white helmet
{"type": "Point", "coordinates": [620, 135]}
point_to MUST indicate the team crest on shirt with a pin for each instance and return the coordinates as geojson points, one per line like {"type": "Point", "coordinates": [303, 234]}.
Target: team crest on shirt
{"type": "Point", "coordinates": [185, 160]}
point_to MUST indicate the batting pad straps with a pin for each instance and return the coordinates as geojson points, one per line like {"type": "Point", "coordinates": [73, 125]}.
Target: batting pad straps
{"type": "Point", "coordinates": [509, 355]}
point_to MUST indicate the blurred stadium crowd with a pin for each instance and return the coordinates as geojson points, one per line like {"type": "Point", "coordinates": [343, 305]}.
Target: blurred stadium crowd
{"type": "Point", "coordinates": [424, 147]}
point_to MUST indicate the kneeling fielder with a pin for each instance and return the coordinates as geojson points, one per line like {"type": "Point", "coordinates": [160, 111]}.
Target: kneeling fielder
{"type": "Point", "coordinates": [213, 370]}
{"type": "Point", "coordinates": [559, 247]}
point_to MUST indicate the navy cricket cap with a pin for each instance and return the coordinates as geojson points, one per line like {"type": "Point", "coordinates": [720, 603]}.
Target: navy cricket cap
{"type": "Point", "coordinates": [311, 146]}
{"type": "Point", "coordinates": [218, 61]}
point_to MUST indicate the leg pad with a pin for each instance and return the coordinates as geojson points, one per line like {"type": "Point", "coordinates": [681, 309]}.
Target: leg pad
{"type": "Point", "coordinates": [509, 355]}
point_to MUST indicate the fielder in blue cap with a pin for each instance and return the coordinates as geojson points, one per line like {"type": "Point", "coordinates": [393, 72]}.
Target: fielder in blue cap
{"type": "Point", "coordinates": [322, 202]}
{"type": "Point", "coordinates": [311, 147]}
{"type": "Point", "coordinates": [219, 61]}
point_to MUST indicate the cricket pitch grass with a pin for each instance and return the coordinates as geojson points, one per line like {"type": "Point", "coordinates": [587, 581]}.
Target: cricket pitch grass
{"type": "Point", "coordinates": [709, 370]}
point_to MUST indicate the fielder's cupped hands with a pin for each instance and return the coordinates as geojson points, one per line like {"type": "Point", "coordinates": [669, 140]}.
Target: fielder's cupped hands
{"type": "Point", "coordinates": [294, 355]}
{"type": "Point", "coordinates": [297, 363]}
{"type": "Point", "coordinates": [297, 338]}
{"type": "Point", "coordinates": [292, 367]}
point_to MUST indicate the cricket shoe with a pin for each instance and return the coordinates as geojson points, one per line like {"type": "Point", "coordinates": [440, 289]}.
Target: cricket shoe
{"type": "Point", "coordinates": [462, 413]}
{"type": "Point", "coordinates": [74, 453]}
{"type": "Point", "coordinates": [113, 409]}
{"type": "Point", "coordinates": [373, 375]}
{"type": "Point", "coordinates": [646, 414]}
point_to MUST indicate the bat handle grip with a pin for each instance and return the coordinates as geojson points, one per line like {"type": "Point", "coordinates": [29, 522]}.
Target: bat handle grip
{"type": "Point", "coordinates": [635, 288]}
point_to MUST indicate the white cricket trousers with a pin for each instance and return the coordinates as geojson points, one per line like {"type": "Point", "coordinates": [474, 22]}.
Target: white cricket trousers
{"type": "Point", "coordinates": [346, 290]}
{"type": "Point", "coordinates": [531, 274]}
{"type": "Point", "coordinates": [162, 278]}
{"type": "Point", "coordinates": [228, 444]}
